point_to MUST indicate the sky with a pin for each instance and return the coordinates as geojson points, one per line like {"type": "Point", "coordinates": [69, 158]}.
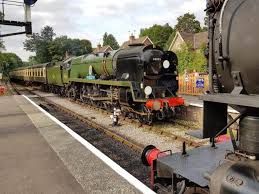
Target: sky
{"type": "Point", "coordinates": [90, 19]}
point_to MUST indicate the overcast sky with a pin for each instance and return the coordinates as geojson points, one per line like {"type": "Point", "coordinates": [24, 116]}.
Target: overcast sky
{"type": "Point", "coordinates": [89, 19]}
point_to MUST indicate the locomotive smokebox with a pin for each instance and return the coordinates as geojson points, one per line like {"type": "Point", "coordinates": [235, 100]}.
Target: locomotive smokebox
{"type": "Point", "coordinates": [236, 46]}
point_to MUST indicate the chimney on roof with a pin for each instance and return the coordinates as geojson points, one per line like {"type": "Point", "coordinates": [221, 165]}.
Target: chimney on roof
{"type": "Point", "coordinates": [67, 55]}
{"type": "Point", "coordinates": [99, 46]}
{"type": "Point", "coordinates": [131, 38]}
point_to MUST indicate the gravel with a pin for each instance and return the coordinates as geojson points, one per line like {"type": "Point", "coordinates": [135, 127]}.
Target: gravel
{"type": "Point", "coordinates": [140, 135]}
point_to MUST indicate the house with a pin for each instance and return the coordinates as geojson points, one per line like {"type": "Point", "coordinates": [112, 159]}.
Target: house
{"type": "Point", "coordinates": [103, 49]}
{"type": "Point", "coordinates": [142, 40]}
{"type": "Point", "coordinates": [195, 40]}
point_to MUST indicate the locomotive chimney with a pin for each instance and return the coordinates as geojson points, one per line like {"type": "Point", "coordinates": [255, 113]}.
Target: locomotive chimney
{"type": "Point", "coordinates": [131, 38]}
{"type": "Point", "coordinates": [99, 46]}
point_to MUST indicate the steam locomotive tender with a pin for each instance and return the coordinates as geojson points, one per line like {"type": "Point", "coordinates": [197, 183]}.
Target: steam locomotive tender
{"type": "Point", "coordinates": [141, 80]}
{"type": "Point", "coordinates": [231, 167]}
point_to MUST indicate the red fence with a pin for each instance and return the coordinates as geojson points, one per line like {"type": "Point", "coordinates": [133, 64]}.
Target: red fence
{"type": "Point", "coordinates": [193, 84]}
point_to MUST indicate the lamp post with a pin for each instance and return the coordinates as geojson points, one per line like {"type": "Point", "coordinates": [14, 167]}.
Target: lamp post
{"type": "Point", "coordinates": [29, 2]}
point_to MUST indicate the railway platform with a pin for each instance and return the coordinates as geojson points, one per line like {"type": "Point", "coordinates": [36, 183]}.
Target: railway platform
{"type": "Point", "coordinates": [40, 155]}
{"type": "Point", "coordinates": [196, 102]}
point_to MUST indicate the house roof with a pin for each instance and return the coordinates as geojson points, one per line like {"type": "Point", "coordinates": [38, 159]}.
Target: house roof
{"type": "Point", "coordinates": [199, 39]}
{"type": "Point", "coordinates": [195, 40]}
{"type": "Point", "coordinates": [139, 40]}
{"type": "Point", "coordinates": [187, 37]}
{"type": "Point", "coordinates": [102, 49]}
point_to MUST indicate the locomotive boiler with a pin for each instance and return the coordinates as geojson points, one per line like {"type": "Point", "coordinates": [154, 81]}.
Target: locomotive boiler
{"type": "Point", "coordinates": [230, 167]}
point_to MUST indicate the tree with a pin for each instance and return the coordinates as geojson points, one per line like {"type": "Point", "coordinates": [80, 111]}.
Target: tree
{"type": "Point", "coordinates": [191, 60]}
{"type": "Point", "coordinates": [2, 46]}
{"type": "Point", "coordinates": [47, 33]}
{"type": "Point", "coordinates": [39, 43]}
{"type": "Point", "coordinates": [32, 60]}
{"type": "Point", "coordinates": [109, 39]}
{"type": "Point", "coordinates": [75, 47]}
{"type": "Point", "coordinates": [48, 48]}
{"type": "Point", "coordinates": [188, 23]}
{"type": "Point", "coordinates": [158, 34]}
{"type": "Point", "coordinates": [9, 61]}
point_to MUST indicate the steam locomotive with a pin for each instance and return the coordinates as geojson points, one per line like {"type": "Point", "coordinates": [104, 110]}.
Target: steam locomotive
{"type": "Point", "coordinates": [231, 167]}
{"type": "Point", "coordinates": [141, 80]}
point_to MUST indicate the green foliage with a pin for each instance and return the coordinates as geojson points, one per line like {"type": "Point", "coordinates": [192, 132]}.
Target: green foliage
{"type": "Point", "coordinates": [64, 45]}
{"type": "Point", "coordinates": [188, 23]}
{"type": "Point", "coordinates": [31, 61]}
{"type": "Point", "coordinates": [2, 46]}
{"type": "Point", "coordinates": [191, 60]}
{"type": "Point", "coordinates": [9, 61]}
{"type": "Point", "coordinates": [40, 43]}
{"type": "Point", "coordinates": [109, 39]}
{"type": "Point", "coordinates": [48, 48]}
{"type": "Point", "coordinates": [158, 34]}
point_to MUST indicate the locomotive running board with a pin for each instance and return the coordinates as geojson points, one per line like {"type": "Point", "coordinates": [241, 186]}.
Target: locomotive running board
{"type": "Point", "coordinates": [194, 165]}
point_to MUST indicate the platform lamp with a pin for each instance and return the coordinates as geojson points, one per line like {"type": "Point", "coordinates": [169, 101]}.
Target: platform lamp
{"type": "Point", "coordinates": [27, 9]}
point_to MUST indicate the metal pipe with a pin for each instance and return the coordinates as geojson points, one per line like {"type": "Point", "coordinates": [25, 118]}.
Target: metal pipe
{"type": "Point", "coordinates": [12, 34]}
{"type": "Point", "coordinates": [221, 57]}
{"type": "Point", "coordinates": [182, 190]}
{"type": "Point", "coordinates": [221, 16]}
{"type": "Point", "coordinates": [211, 53]}
{"type": "Point", "coordinates": [229, 124]}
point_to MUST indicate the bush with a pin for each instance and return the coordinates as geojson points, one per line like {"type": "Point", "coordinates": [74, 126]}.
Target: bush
{"type": "Point", "coordinates": [191, 60]}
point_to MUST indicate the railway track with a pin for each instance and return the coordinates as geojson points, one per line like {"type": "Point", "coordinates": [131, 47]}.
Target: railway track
{"type": "Point", "coordinates": [152, 128]}
{"type": "Point", "coordinates": [124, 121]}
{"type": "Point", "coordinates": [123, 151]}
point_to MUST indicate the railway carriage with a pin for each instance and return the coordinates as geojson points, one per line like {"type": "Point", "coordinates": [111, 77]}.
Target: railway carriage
{"type": "Point", "coordinates": [31, 74]}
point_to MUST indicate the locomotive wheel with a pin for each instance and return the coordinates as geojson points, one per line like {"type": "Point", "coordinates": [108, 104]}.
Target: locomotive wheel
{"type": "Point", "coordinates": [72, 94]}
{"type": "Point", "coordinates": [148, 120]}
{"type": "Point", "coordinates": [141, 119]}
{"type": "Point", "coordinates": [83, 92]}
